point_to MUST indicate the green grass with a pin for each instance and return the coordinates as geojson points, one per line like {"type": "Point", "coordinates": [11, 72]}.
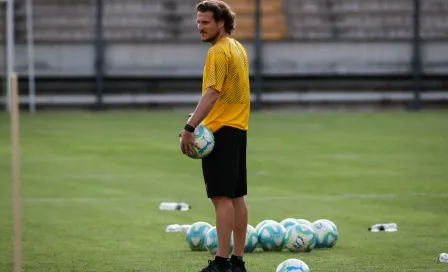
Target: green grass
{"type": "Point", "coordinates": [91, 185]}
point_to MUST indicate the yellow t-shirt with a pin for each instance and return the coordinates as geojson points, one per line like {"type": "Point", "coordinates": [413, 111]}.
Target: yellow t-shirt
{"type": "Point", "coordinates": [227, 71]}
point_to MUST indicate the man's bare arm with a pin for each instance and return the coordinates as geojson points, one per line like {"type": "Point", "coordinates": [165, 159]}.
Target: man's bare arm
{"type": "Point", "coordinates": [204, 106]}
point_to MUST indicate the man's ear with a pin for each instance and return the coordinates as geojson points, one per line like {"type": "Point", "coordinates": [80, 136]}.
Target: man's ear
{"type": "Point", "coordinates": [221, 24]}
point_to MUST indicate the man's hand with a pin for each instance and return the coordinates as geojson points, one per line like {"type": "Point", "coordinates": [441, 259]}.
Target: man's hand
{"type": "Point", "coordinates": [187, 142]}
{"type": "Point", "coordinates": [204, 106]}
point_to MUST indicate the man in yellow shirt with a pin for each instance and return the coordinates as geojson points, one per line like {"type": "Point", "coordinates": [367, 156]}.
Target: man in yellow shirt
{"type": "Point", "coordinates": [224, 108]}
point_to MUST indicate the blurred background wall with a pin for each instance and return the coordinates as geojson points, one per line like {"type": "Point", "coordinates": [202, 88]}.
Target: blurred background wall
{"type": "Point", "coordinates": [105, 53]}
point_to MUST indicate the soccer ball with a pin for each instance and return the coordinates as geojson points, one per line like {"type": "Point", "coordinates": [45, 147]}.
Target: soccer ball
{"type": "Point", "coordinates": [292, 265]}
{"type": "Point", "coordinates": [262, 223]}
{"type": "Point", "coordinates": [304, 221]}
{"type": "Point", "coordinates": [325, 234]}
{"type": "Point", "coordinates": [195, 235]}
{"type": "Point", "coordinates": [204, 138]}
{"type": "Point", "coordinates": [211, 241]}
{"type": "Point", "coordinates": [300, 238]}
{"type": "Point", "coordinates": [288, 222]}
{"type": "Point", "coordinates": [272, 237]}
{"type": "Point", "coordinates": [334, 227]}
{"type": "Point", "coordinates": [251, 239]}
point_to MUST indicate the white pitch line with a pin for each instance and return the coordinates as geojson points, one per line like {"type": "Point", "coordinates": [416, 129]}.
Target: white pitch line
{"type": "Point", "coordinates": [249, 199]}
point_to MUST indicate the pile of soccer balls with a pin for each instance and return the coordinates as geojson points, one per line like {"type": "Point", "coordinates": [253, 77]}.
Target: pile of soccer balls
{"type": "Point", "coordinates": [296, 235]}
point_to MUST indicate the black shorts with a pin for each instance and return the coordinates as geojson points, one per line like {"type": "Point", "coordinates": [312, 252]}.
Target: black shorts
{"type": "Point", "coordinates": [224, 170]}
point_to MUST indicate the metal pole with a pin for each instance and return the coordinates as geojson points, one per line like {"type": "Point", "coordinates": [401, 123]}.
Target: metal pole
{"type": "Point", "coordinates": [258, 56]}
{"type": "Point", "coordinates": [417, 59]}
{"type": "Point", "coordinates": [9, 48]}
{"type": "Point", "coordinates": [15, 156]}
{"type": "Point", "coordinates": [5, 55]}
{"type": "Point", "coordinates": [30, 44]}
{"type": "Point", "coordinates": [99, 59]}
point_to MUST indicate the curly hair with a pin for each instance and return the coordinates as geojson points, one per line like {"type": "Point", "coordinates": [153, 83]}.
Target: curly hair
{"type": "Point", "coordinates": [221, 11]}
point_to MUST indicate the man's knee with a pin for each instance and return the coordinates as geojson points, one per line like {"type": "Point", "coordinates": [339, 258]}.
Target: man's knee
{"type": "Point", "coordinates": [238, 201]}
{"type": "Point", "coordinates": [221, 201]}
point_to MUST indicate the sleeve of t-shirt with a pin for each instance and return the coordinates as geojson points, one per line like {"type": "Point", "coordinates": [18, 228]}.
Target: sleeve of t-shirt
{"type": "Point", "coordinates": [217, 70]}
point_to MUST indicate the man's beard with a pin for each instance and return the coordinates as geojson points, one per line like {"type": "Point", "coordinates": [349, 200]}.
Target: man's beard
{"type": "Point", "coordinates": [212, 38]}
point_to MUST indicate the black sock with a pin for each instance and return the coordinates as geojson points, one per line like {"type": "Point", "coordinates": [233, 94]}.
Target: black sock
{"type": "Point", "coordinates": [236, 259]}
{"type": "Point", "coordinates": [221, 260]}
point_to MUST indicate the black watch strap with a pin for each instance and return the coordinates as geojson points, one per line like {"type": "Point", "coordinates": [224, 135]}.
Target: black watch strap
{"type": "Point", "coordinates": [189, 128]}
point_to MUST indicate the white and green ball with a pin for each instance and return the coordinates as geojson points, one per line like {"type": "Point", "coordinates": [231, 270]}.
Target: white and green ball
{"type": "Point", "coordinates": [334, 227]}
{"type": "Point", "coordinates": [326, 238]}
{"type": "Point", "coordinates": [262, 223]}
{"type": "Point", "coordinates": [293, 265]}
{"type": "Point", "coordinates": [195, 235]}
{"type": "Point", "coordinates": [211, 241]}
{"type": "Point", "coordinates": [300, 238]}
{"type": "Point", "coordinates": [204, 138]}
{"type": "Point", "coordinates": [272, 237]}
{"type": "Point", "coordinates": [251, 239]}
{"type": "Point", "coordinates": [288, 222]}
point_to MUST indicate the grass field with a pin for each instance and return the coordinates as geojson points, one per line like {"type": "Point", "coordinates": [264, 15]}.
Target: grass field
{"type": "Point", "coordinates": [92, 183]}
